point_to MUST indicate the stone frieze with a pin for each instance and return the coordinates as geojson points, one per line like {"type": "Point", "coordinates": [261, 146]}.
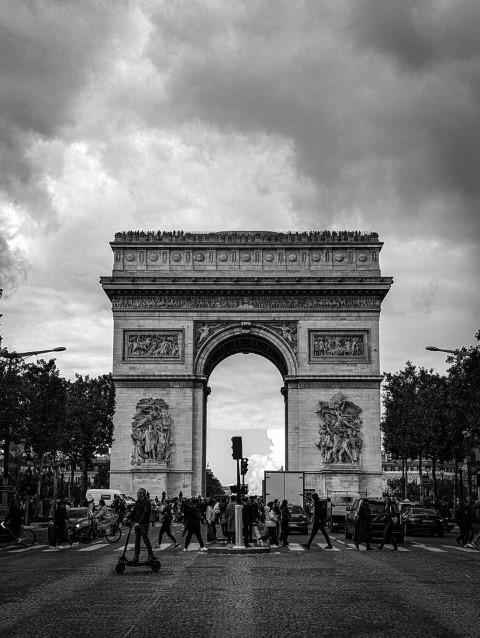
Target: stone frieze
{"type": "Point", "coordinates": [247, 303]}
{"type": "Point", "coordinates": [339, 438]}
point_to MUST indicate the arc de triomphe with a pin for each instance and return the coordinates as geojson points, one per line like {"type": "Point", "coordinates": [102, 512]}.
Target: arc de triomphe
{"type": "Point", "coordinates": [309, 302]}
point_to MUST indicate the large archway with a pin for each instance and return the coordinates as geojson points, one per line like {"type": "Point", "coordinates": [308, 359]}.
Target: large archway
{"type": "Point", "coordinates": [245, 400]}
{"type": "Point", "coordinates": [184, 302]}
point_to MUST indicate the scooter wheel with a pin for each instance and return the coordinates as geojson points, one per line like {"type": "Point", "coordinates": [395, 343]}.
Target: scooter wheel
{"type": "Point", "coordinates": [119, 568]}
{"type": "Point", "coordinates": [155, 566]}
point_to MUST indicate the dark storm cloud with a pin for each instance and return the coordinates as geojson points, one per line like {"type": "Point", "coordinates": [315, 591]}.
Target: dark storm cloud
{"type": "Point", "coordinates": [379, 99]}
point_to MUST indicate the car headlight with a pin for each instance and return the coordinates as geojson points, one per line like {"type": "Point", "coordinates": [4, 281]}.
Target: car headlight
{"type": "Point", "coordinates": [77, 525]}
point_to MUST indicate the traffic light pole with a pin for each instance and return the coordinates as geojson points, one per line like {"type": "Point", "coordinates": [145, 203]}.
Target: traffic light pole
{"type": "Point", "coordinates": [239, 493]}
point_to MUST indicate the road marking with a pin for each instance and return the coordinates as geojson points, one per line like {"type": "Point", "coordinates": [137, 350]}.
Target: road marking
{"type": "Point", "coordinates": [193, 547]}
{"type": "Point", "coordinates": [334, 549]}
{"type": "Point", "coordinates": [164, 546]}
{"type": "Point", "coordinates": [295, 547]}
{"type": "Point", "coordinates": [129, 547]}
{"type": "Point", "coordinates": [461, 549]}
{"type": "Point", "coordinates": [428, 548]}
{"type": "Point", "coordinates": [92, 548]}
{"type": "Point", "coordinates": [26, 549]}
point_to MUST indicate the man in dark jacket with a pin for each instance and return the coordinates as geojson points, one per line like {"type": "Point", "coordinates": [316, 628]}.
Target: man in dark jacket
{"type": "Point", "coordinates": [319, 520]}
{"type": "Point", "coordinates": [390, 513]}
{"type": "Point", "coordinates": [191, 519]}
{"type": "Point", "coordinates": [140, 517]}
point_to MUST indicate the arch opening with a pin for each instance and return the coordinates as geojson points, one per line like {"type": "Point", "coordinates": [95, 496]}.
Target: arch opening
{"type": "Point", "coordinates": [245, 401]}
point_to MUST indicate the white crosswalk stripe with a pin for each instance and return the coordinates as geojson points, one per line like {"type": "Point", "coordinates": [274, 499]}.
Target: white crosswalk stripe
{"type": "Point", "coordinates": [428, 548]}
{"type": "Point", "coordinates": [295, 547]}
{"type": "Point", "coordinates": [26, 549]}
{"type": "Point", "coordinates": [129, 547]}
{"type": "Point", "coordinates": [462, 549]}
{"type": "Point", "coordinates": [92, 548]}
{"type": "Point", "coordinates": [193, 546]}
{"type": "Point", "coordinates": [334, 549]}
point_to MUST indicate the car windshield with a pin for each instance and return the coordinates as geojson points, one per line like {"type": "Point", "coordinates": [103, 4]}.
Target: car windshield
{"type": "Point", "coordinates": [78, 512]}
{"type": "Point", "coordinates": [295, 509]}
{"type": "Point", "coordinates": [423, 511]}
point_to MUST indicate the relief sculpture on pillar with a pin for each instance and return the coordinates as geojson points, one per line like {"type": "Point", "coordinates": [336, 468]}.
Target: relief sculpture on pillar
{"type": "Point", "coordinates": [339, 432]}
{"type": "Point", "coordinates": [151, 433]}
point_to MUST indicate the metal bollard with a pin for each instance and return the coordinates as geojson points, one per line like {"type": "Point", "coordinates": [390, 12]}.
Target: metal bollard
{"type": "Point", "coordinates": [238, 526]}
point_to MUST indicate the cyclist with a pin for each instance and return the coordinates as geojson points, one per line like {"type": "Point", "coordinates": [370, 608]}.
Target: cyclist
{"type": "Point", "coordinates": [14, 518]}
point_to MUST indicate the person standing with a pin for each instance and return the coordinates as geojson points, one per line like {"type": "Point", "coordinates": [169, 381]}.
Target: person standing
{"type": "Point", "coordinates": [191, 519]}
{"type": "Point", "coordinates": [210, 517]}
{"type": "Point", "coordinates": [284, 523]}
{"type": "Point", "coordinates": [390, 514]}
{"type": "Point", "coordinates": [247, 521]}
{"type": "Point", "coordinates": [140, 517]}
{"type": "Point", "coordinates": [166, 518]}
{"type": "Point", "coordinates": [363, 526]}
{"type": "Point", "coordinates": [319, 521]}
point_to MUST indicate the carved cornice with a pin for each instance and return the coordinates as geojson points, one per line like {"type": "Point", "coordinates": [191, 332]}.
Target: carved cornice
{"type": "Point", "coordinates": [244, 237]}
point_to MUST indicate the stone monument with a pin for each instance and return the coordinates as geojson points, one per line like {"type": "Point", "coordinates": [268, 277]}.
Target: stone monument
{"type": "Point", "coordinates": [307, 301]}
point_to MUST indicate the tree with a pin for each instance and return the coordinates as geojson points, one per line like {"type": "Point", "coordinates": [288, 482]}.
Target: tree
{"type": "Point", "coordinates": [89, 420]}
{"type": "Point", "coordinates": [213, 485]}
{"type": "Point", "coordinates": [400, 416]}
{"type": "Point", "coordinates": [45, 419]}
{"type": "Point", "coordinates": [13, 406]}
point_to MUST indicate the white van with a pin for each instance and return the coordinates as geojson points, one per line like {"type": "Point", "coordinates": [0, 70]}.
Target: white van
{"type": "Point", "coordinates": [106, 494]}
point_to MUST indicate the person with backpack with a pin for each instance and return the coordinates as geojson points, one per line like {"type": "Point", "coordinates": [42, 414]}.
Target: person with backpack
{"type": "Point", "coordinates": [319, 521]}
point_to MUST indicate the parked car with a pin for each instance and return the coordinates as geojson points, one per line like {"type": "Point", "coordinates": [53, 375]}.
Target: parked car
{"type": "Point", "coordinates": [423, 520]}
{"type": "Point", "coordinates": [377, 508]}
{"type": "Point", "coordinates": [298, 521]}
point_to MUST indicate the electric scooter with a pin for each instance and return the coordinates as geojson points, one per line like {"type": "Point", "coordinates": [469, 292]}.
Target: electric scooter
{"type": "Point", "coordinates": [123, 561]}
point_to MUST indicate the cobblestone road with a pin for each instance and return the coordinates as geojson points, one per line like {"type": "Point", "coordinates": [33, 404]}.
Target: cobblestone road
{"type": "Point", "coordinates": [429, 589]}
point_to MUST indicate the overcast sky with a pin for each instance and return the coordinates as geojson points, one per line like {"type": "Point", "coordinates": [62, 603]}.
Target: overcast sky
{"type": "Point", "coordinates": [213, 115]}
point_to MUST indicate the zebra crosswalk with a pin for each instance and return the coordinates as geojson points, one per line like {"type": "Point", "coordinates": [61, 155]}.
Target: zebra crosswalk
{"type": "Point", "coordinates": [338, 545]}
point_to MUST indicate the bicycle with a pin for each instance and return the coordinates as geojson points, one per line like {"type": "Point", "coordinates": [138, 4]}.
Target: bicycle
{"type": "Point", "coordinates": [27, 536]}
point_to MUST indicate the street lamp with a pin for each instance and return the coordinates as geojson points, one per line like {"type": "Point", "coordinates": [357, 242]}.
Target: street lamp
{"type": "Point", "coordinates": [21, 355]}
{"type": "Point", "coordinates": [29, 464]}
{"type": "Point", "coordinates": [459, 353]}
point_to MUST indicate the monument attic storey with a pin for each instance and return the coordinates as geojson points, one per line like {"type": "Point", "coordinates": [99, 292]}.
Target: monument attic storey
{"type": "Point", "coordinates": [307, 301]}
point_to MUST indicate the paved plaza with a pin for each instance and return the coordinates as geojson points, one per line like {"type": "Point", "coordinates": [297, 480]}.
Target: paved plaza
{"type": "Point", "coordinates": [429, 588]}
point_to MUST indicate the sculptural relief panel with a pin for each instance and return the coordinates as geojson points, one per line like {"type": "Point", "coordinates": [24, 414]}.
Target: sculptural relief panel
{"type": "Point", "coordinates": [339, 433]}
{"type": "Point", "coordinates": [154, 345]}
{"type": "Point", "coordinates": [151, 433]}
{"type": "Point", "coordinates": [326, 346]}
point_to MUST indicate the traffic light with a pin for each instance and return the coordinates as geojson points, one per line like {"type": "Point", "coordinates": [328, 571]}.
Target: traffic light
{"type": "Point", "coordinates": [233, 489]}
{"type": "Point", "coordinates": [244, 489]}
{"type": "Point", "coordinates": [244, 466]}
{"type": "Point", "coordinates": [236, 447]}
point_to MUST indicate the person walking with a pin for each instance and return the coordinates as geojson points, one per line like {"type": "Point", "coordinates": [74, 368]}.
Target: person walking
{"type": "Point", "coordinates": [191, 519]}
{"type": "Point", "coordinates": [284, 523]}
{"type": "Point", "coordinates": [140, 518]}
{"type": "Point", "coordinates": [363, 526]}
{"type": "Point", "coordinates": [319, 521]}
{"type": "Point", "coordinates": [390, 513]}
{"type": "Point", "coordinates": [59, 530]}
{"type": "Point", "coordinates": [165, 519]}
